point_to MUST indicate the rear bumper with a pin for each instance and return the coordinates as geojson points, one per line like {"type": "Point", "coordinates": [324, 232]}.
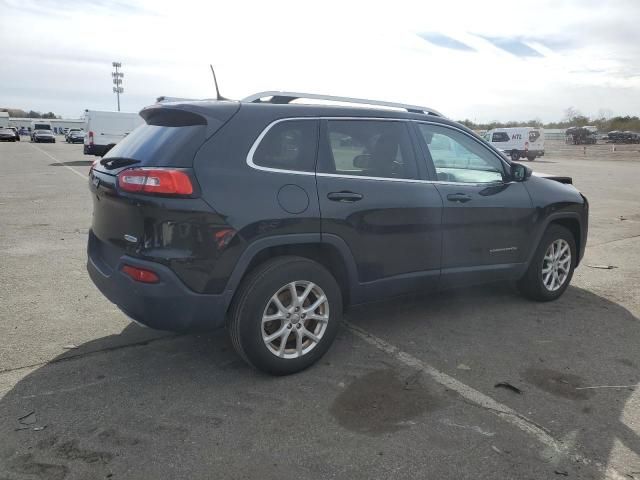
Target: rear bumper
{"type": "Point", "coordinates": [166, 305]}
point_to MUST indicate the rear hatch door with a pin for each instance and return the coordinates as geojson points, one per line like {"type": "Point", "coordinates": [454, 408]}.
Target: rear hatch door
{"type": "Point", "coordinates": [170, 138]}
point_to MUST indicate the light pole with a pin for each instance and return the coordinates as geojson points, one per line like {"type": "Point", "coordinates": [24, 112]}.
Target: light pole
{"type": "Point", "coordinates": [117, 81]}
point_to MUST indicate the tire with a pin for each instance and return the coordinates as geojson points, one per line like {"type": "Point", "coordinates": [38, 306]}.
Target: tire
{"type": "Point", "coordinates": [254, 299]}
{"type": "Point", "coordinates": [531, 158]}
{"type": "Point", "coordinates": [532, 284]}
{"type": "Point", "coordinates": [515, 155]}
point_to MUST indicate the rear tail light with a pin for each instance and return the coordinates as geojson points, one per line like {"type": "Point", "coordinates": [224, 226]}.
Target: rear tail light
{"type": "Point", "coordinates": [141, 274]}
{"type": "Point", "coordinates": [164, 181]}
{"type": "Point", "coordinates": [90, 138]}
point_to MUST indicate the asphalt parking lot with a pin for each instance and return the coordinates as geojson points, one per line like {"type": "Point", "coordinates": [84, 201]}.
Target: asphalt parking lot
{"type": "Point", "coordinates": [407, 391]}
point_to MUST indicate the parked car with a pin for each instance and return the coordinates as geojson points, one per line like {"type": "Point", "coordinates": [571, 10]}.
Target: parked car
{"type": "Point", "coordinates": [23, 131]}
{"type": "Point", "coordinates": [76, 136]}
{"type": "Point", "coordinates": [270, 217]}
{"type": "Point", "coordinates": [7, 135]}
{"type": "Point", "coordinates": [15, 132]}
{"type": "Point", "coordinates": [616, 136]}
{"type": "Point", "coordinates": [40, 136]}
{"type": "Point", "coordinates": [67, 131]}
{"type": "Point", "coordinates": [39, 125]}
{"type": "Point", "coordinates": [70, 131]}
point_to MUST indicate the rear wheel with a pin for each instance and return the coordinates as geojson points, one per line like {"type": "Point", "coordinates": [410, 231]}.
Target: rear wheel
{"type": "Point", "coordinates": [286, 315]}
{"type": "Point", "coordinates": [552, 266]}
{"type": "Point", "coordinates": [515, 155]}
{"type": "Point", "coordinates": [531, 158]}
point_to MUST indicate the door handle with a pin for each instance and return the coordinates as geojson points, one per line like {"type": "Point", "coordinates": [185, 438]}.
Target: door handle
{"type": "Point", "coordinates": [344, 196]}
{"type": "Point", "coordinates": [458, 197]}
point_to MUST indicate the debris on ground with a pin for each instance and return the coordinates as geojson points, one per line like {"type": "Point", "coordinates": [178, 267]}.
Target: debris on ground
{"type": "Point", "coordinates": [71, 346]}
{"type": "Point", "coordinates": [603, 267]}
{"type": "Point", "coordinates": [28, 422]}
{"type": "Point", "coordinates": [412, 381]}
{"type": "Point", "coordinates": [561, 472]}
{"type": "Point", "coordinates": [462, 366]}
{"type": "Point", "coordinates": [508, 386]}
{"type": "Point", "coordinates": [28, 419]}
{"type": "Point", "coordinates": [496, 449]}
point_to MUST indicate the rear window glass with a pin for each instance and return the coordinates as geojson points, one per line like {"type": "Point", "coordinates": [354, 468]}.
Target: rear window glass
{"type": "Point", "coordinates": [289, 145]}
{"type": "Point", "coordinates": [155, 145]}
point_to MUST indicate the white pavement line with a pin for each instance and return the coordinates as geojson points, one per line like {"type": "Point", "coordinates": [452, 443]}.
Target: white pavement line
{"type": "Point", "coordinates": [84, 177]}
{"type": "Point", "coordinates": [480, 399]}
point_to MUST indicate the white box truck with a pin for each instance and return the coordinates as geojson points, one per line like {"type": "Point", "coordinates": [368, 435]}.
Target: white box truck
{"type": "Point", "coordinates": [105, 129]}
{"type": "Point", "coordinates": [518, 142]}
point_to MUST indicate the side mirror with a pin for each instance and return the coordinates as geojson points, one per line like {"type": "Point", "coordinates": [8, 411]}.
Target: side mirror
{"type": "Point", "coordinates": [362, 161]}
{"type": "Point", "coordinates": [519, 172]}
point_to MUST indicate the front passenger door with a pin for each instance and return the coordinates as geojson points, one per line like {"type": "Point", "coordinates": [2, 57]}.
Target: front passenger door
{"type": "Point", "coordinates": [487, 218]}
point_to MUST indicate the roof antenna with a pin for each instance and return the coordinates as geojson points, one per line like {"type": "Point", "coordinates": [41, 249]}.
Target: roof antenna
{"type": "Point", "coordinates": [215, 81]}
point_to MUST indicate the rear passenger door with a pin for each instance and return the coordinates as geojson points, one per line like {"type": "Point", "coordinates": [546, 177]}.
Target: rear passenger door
{"type": "Point", "coordinates": [487, 218]}
{"type": "Point", "coordinates": [373, 195]}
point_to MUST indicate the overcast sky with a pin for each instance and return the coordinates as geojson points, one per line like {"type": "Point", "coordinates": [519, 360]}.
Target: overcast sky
{"type": "Point", "coordinates": [483, 60]}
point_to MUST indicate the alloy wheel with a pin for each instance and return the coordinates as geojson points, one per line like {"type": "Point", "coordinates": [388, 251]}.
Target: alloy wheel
{"type": "Point", "coordinates": [556, 265]}
{"type": "Point", "coordinates": [295, 319]}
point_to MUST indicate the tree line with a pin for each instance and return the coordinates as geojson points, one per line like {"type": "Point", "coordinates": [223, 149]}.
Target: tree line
{"type": "Point", "coordinates": [19, 113]}
{"type": "Point", "coordinates": [604, 121]}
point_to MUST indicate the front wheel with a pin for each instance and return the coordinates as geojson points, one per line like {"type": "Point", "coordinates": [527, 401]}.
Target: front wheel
{"type": "Point", "coordinates": [285, 315]}
{"type": "Point", "coordinates": [552, 266]}
{"type": "Point", "coordinates": [515, 155]}
{"type": "Point", "coordinates": [531, 158]}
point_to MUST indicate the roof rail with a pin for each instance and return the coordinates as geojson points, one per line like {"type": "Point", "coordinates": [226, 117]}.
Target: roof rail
{"type": "Point", "coordinates": [287, 97]}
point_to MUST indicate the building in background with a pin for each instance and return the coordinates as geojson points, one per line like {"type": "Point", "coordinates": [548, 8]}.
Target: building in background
{"type": "Point", "coordinates": [4, 119]}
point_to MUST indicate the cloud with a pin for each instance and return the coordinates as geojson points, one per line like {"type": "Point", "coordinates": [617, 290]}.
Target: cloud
{"type": "Point", "coordinates": [467, 59]}
{"type": "Point", "coordinates": [444, 41]}
{"type": "Point", "coordinates": [514, 46]}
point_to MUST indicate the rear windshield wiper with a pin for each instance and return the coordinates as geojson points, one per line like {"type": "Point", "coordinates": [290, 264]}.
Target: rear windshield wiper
{"type": "Point", "coordinates": [113, 163]}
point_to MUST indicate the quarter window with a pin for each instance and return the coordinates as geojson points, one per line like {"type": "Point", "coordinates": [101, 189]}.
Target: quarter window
{"type": "Point", "coordinates": [458, 158]}
{"type": "Point", "coordinates": [370, 148]}
{"type": "Point", "coordinates": [289, 145]}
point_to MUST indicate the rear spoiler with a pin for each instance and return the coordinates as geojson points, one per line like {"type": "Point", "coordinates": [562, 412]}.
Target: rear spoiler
{"type": "Point", "coordinates": [164, 99]}
{"type": "Point", "coordinates": [211, 114]}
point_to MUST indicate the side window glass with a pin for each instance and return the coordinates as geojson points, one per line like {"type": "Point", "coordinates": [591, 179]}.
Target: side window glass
{"type": "Point", "coordinates": [370, 148]}
{"type": "Point", "coordinates": [458, 158]}
{"type": "Point", "coordinates": [500, 137]}
{"type": "Point", "coordinates": [289, 145]}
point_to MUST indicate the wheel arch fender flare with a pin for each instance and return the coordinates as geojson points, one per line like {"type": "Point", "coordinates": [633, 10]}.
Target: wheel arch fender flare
{"type": "Point", "coordinates": [293, 240]}
{"type": "Point", "coordinates": [543, 228]}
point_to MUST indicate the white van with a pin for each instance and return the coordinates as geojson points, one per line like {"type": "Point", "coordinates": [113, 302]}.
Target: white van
{"type": "Point", "coordinates": [518, 142]}
{"type": "Point", "coordinates": [105, 129]}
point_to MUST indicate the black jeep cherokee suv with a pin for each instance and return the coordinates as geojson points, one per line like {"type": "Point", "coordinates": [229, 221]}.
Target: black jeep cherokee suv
{"type": "Point", "coordinates": [270, 217]}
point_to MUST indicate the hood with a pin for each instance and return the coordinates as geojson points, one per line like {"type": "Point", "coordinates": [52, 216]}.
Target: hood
{"type": "Point", "coordinates": [557, 178]}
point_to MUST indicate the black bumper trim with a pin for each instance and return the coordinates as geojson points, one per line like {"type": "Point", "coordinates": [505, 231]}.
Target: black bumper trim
{"type": "Point", "coordinates": [167, 305]}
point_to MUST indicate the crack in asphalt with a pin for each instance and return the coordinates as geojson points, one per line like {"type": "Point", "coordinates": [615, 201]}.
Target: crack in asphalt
{"type": "Point", "coordinates": [77, 356]}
